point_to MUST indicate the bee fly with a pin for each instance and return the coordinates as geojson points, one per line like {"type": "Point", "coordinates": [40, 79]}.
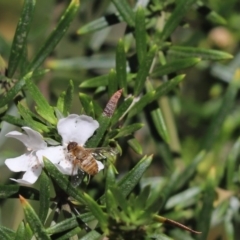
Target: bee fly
{"type": "Point", "coordinates": [85, 160]}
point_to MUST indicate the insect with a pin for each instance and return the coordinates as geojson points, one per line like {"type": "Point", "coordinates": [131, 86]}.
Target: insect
{"type": "Point", "coordinates": [85, 160]}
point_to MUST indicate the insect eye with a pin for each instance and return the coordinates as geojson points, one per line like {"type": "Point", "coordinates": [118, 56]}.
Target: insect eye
{"type": "Point", "coordinates": [71, 145]}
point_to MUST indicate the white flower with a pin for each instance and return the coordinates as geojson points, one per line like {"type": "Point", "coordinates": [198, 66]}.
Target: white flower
{"type": "Point", "coordinates": [31, 162]}
{"type": "Point", "coordinates": [75, 128]}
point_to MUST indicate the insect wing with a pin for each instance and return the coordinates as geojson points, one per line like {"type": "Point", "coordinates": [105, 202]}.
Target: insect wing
{"type": "Point", "coordinates": [77, 179]}
{"type": "Point", "coordinates": [103, 152]}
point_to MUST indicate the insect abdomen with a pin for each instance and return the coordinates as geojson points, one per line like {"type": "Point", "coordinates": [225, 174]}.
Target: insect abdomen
{"type": "Point", "coordinates": [89, 165]}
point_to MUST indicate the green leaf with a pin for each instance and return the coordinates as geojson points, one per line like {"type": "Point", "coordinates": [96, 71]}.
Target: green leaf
{"type": "Point", "coordinates": [8, 190]}
{"type": "Point", "coordinates": [6, 233]}
{"type": "Point", "coordinates": [4, 80]}
{"type": "Point", "coordinates": [10, 94]}
{"type": "Point", "coordinates": [185, 176]}
{"type": "Point", "coordinates": [43, 108]}
{"type": "Point", "coordinates": [101, 61]}
{"type": "Point", "coordinates": [141, 104]}
{"type": "Point", "coordinates": [176, 181]}
{"type": "Point", "coordinates": [230, 230]}
{"type": "Point", "coordinates": [141, 200]}
{"type": "Point", "coordinates": [204, 219]}
{"type": "Point", "coordinates": [2, 68]}
{"type": "Point", "coordinates": [144, 70]}
{"type": "Point", "coordinates": [63, 226]}
{"type": "Point", "coordinates": [128, 182]}
{"type": "Point", "coordinates": [24, 61]}
{"type": "Point", "coordinates": [158, 118]}
{"type": "Point", "coordinates": [110, 179]}
{"type": "Point", "coordinates": [68, 98]}
{"type": "Point", "coordinates": [140, 35]}
{"type": "Point", "coordinates": [105, 120]}
{"type": "Point", "coordinates": [55, 36]}
{"type": "Point", "coordinates": [120, 199]}
{"type": "Point", "coordinates": [93, 26]}
{"type": "Point", "coordinates": [131, 179]}
{"type": "Point", "coordinates": [93, 235]}
{"type": "Point", "coordinates": [135, 145]}
{"type": "Point", "coordinates": [33, 220]}
{"type": "Point", "coordinates": [207, 54]}
{"type": "Point", "coordinates": [20, 37]}
{"type": "Point", "coordinates": [174, 66]}
{"type": "Point", "coordinates": [40, 73]}
{"type": "Point", "coordinates": [127, 130]}
{"type": "Point", "coordinates": [87, 217]}
{"type": "Point", "coordinates": [168, 86]}
{"type": "Point", "coordinates": [121, 110]}
{"type": "Point", "coordinates": [96, 210]}
{"type": "Point", "coordinates": [121, 66]}
{"type": "Point", "coordinates": [98, 24]}
{"type": "Point", "coordinates": [70, 234]}
{"type": "Point", "coordinates": [111, 205]}
{"type": "Point", "coordinates": [215, 18]}
{"type": "Point", "coordinates": [63, 182]}
{"type": "Point", "coordinates": [28, 118]}
{"type": "Point", "coordinates": [160, 125]}
{"type": "Point", "coordinates": [100, 81]}
{"type": "Point", "coordinates": [5, 48]}
{"type": "Point", "coordinates": [95, 82]}
{"type": "Point", "coordinates": [180, 10]}
{"type": "Point", "coordinates": [154, 95]}
{"type": "Point", "coordinates": [14, 120]}
{"type": "Point", "coordinates": [44, 201]}
{"type": "Point", "coordinates": [28, 232]}
{"type": "Point", "coordinates": [104, 123]}
{"type": "Point", "coordinates": [228, 101]}
{"type": "Point", "coordinates": [232, 164]}
{"type": "Point", "coordinates": [160, 236]}
{"type": "Point", "coordinates": [20, 234]}
{"type": "Point", "coordinates": [60, 103]}
{"type": "Point", "coordinates": [112, 82]}
{"type": "Point", "coordinates": [70, 223]}
{"type": "Point", "coordinates": [184, 198]}
{"type": "Point", "coordinates": [78, 195]}
{"type": "Point", "coordinates": [3, 110]}
{"type": "Point", "coordinates": [210, 15]}
{"type": "Point", "coordinates": [125, 11]}
{"type": "Point", "coordinates": [158, 200]}
{"type": "Point", "coordinates": [87, 104]}
{"type": "Point", "coordinates": [91, 110]}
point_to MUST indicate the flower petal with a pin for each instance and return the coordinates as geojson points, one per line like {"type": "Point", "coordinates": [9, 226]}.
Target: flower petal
{"type": "Point", "coordinates": [75, 128]}
{"type": "Point", "coordinates": [30, 176]}
{"type": "Point", "coordinates": [18, 164]}
{"type": "Point", "coordinates": [100, 166]}
{"type": "Point", "coordinates": [21, 181]}
{"type": "Point", "coordinates": [54, 154]}
{"type": "Point", "coordinates": [66, 167]}
{"type": "Point", "coordinates": [32, 140]}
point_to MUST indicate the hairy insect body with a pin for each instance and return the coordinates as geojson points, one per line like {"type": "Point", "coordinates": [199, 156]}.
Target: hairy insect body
{"type": "Point", "coordinates": [83, 158]}
{"type": "Point", "coordinates": [86, 160]}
